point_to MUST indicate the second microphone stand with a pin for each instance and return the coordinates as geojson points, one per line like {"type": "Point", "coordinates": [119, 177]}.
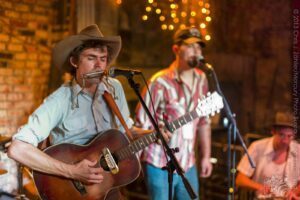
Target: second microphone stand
{"type": "Point", "coordinates": [232, 130]}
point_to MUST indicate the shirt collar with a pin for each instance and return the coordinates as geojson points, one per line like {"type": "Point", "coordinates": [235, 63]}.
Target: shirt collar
{"type": "Point", "coordinates": [270, 148]}
{"type": "Point", "coordinates": [173, 69]}
{"type": "Point", "coordinates": [75, 91]}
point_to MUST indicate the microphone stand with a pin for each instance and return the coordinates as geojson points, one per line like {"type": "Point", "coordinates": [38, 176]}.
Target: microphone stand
{"type": "Point", "coordinates": [172, 164]}
{"type": "Point", "coordinates": [211, 75]}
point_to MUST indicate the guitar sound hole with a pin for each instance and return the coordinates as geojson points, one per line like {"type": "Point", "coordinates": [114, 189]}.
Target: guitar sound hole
{"type": "Point", "coordinates": [103, 163]}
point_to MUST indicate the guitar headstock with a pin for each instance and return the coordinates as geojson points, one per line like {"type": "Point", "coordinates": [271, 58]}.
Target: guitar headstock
{"type": "Point", "coordinates": [210, 105]}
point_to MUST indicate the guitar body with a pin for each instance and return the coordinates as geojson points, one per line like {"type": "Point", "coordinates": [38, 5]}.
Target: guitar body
{"type": "Point", "coordinates": [52, 187]}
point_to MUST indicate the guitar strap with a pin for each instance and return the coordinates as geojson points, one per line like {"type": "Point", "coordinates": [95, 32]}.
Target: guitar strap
{"type": "Point", "coordinates": [113, 106]}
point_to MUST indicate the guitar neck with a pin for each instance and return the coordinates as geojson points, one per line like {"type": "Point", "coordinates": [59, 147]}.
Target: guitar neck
{"type": "Point", "coordinates": [146, 140]}
{"type": "Point", "coordinates": [177, 123]}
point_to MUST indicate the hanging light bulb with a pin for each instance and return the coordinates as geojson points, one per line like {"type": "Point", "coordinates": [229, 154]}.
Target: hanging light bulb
{"type": "Point", "coordinates": [158, 11]}
{"type": "Point", "coordinates": [208, 18]}
{"type": "Point", "coordinates": [145, 17]}
{"type": "Point", "coordinates": [148, 9]}
{"type": "Point", "coordinates": [162, 18]}
{"type": "Point", "coordinates": [207, 37]}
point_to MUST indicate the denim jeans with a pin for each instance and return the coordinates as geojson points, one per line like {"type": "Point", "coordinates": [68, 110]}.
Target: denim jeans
{"type": "Point", "coordinates": [158, 187]}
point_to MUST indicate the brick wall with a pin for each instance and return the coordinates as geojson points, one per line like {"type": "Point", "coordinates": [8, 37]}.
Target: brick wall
{"type": "Point", "coordinates": [25, 55]}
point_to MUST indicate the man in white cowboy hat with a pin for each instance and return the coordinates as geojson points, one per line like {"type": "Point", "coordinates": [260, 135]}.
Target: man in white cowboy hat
{"type": "Point", "coordinates": [277, 172]}
{"type": "Point", "coordinates": [75, 112]}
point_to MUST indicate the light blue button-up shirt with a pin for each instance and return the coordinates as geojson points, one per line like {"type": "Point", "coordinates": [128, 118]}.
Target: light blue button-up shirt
{"type": "Point", "coordinates": [71, 115]}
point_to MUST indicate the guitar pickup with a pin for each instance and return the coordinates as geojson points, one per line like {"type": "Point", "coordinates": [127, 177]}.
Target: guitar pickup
{"type": "Point", "coordinates": [110, 161]}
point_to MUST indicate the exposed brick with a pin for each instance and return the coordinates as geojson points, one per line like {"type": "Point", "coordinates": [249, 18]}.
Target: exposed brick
{"type": "Point", "coordinates": [15, 97]}
{"type": "Point", "coordinates": [42, 18]}
{"type": "Point", "coordinates": [27, 32]}
{"type": "Point", "coordinates": [20, 56]}
{"type": "Point", "coordinates": [19, 72]}
{"type": "Point", "coordinates": [15, 47]}
{"type": "Point", "coordinates": [6, 4]}
{"type": "Point", "coordinates": [30, 48]}
{"type": "Point", "coordinates": [31, 64]}
{"type": "Point", "coordinates": [29, 97]}
{"type": "Point", "coordinates": [45, 57]}
{"type": "Point", "coordinates": [4, 121]}
{"type": "Point", "coordinates": [17, 64]}
{"type": "Point", "coordinates": [5, 55]}
{"type": "Point", "coordinates": [30, 1]}
{"type": "Point", "coordinates": [15, 113]}
{"type": "Point", "coordinates": [43, 42]}
{"type": "Point", "coordinates": [16, 40]}
{"type": "Point", "coordinates": [21, 88]}
{"type": "Point", "coordinates": [45, 3]}
{"type": "Point", "coordinates": [22, 7]}
{"type": "Point", "coordinates": [12, 14]}
{"type": "Point", "coordinates": [4, 38]}
{"type": "Point", "coordinates": [3, 113]}
{"type": "Point", "coordinates": [2, 46]}
{"type": "Point", "coordinates": [3, 64]}
{"type": "Point", "coordinates": [6, 104]}
{"type": "Point", "coordinates": [32, 25]}
{"type": "Point", "coordinates": [14, 80]}
{"type": "Point", "coordinates": [45, 65]}
{"type": "Point", "coordinates": [42, 34]}
{"type": "Point", "coordinates": [6, 72]}
{"type": "Point", "coordinates": [18, 23]}
{"type": "Point", "coordinates": [32, 56]}
{"type": "Point", "coordinates": [28, 16]}
{"type": "Point", "coordinates": [26, 105]}
{"type": "Point", "coordinates": [43, 26]}
{"type": "Point", "coordinates": [39, 9]}
{"type": "Point", "coordinates": [3, 97]}
{"type": "Point", "coordinates": [5, 88]}
{"type": "Point", "coordinates": [29, 81]}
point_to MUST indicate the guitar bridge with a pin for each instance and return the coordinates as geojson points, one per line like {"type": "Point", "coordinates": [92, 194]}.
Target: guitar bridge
{"type": "Point", "coordinates": [110, 161]}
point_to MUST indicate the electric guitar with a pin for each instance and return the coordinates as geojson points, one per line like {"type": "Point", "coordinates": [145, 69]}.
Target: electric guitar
{"type": "Point", "coordinates": [115, 154]}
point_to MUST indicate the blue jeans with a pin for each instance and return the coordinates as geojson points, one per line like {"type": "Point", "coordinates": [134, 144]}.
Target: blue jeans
{"type": "Point", "coordinates": [158, 187]}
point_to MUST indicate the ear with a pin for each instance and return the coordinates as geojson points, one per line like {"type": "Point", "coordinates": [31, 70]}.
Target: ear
{"type": "Point", "coordinates": [72, 61]}
{"type": "Point", "coordinates": [175, 48]}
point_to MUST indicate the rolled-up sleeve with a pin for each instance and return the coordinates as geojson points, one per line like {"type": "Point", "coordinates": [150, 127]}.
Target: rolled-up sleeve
{"type": "Point", "coordinates": [244, 165]}
{"type": "Point", "coordinates": [42, 121]}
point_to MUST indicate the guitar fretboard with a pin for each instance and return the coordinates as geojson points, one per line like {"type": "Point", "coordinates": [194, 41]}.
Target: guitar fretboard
{"type": "Point", "coordinates": [146, 140]}
{"type": "Point", "coordinates": [177, 123]}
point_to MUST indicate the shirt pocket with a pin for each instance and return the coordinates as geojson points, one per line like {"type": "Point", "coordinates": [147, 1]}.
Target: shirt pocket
{"type": "Point", "coordinates": [75, 125]}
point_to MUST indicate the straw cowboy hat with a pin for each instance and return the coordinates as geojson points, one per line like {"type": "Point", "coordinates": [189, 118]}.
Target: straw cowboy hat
{"type": "Point", "coordinates": [284, 119]}
{"type": "Point", "coordinates": [62, 50]}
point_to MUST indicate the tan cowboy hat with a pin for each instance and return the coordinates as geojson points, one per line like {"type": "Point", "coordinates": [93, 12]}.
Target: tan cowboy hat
{"type": "Point", "coordinates": [285, 119]}
{"type": "Point", "coordinates": [62, 50]}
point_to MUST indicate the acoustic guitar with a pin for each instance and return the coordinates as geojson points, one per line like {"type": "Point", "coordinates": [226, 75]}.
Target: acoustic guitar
{"type": "Point", "coordinates": [115, 154]}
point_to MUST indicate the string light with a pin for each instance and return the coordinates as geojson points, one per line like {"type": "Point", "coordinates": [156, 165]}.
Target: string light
{"type": "Point", "coordinates": [174, 14]}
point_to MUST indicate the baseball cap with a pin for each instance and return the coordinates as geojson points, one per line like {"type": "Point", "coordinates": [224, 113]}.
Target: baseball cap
{"type": "Point", "coordinates": [188, 35]}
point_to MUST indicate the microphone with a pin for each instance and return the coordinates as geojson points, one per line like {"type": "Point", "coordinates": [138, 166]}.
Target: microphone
{"type": "Point", "coordinates": [112, 72]}
{"type": "Point", "coordinates": [200, 63]}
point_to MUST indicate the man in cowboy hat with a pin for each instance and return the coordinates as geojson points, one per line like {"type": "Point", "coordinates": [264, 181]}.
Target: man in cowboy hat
{"type": "Point", "coordinates": [175, 92]}
{"type": "Point", "coordinates": [277, 172]}
{"type": "Point", "coordinates": [75, 112]}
